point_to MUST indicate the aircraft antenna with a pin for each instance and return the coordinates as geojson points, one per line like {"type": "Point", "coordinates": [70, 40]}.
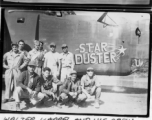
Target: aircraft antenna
{"type": "Point", "coordinates": [37, 28]}
{"type": "Point", "coordinates": [112, 19]}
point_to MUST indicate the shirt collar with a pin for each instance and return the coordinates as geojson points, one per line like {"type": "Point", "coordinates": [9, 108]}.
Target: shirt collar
{"type": "Point", "coordinates": [11, 52]}
{"type": "Point", "coordinates": [66, 53]}
{"type": "Point", "coordinates": [31, 76]}
{"type": "Point", "coordinates": [35, 50]}
{"type": "Point", "coordinates": [89, 77]}
{"type": "Point", "coordinates": [47, 79]}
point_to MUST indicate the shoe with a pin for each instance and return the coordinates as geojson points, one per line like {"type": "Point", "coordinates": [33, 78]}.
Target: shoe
{"type": "Point", "coordinates": [75, 105]}
{"type": "Point", "coordinates": [96, 105]}
{"type": "Point", "coordinates": [82, 104]}
{"type": "Point", "coordinates": [59, 105]}
{"type": "Point", "coordinates": [40, 104]}
{"type": "Point", "coordinates": [5, 101]}
{"type": "Point", "coordinates": [18, 107]}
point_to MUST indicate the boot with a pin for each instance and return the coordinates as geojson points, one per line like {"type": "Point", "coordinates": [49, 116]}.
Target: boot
{"type": "Point", "coordinates": [18, 107]}
{"type": "Point", "coordinates": [97, 105]}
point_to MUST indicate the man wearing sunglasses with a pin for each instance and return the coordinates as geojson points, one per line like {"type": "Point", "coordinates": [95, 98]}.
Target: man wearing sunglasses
{"type": "Point", "coordinates": [90, 86]}
{"type": "Point", "coordinates": [52, 61]}
{"type": "Point", "coordinates": [67, 61]}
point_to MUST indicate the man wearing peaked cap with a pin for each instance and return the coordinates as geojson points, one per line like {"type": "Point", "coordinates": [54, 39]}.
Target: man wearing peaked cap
{"type": "Point", "coordinates": [90, 68]}
{"type": "Point", "coordinates": [73, 72]}
{"type": "Point", "coordinates": [13, 62]}
{"type": "Point", "coordinates": [28, 86]}
{"type": "Point", "coordinates": [67, 61]}
{"type": "Point", "coordinates": [32, 63]}
{"type": "Point", "coordinates": [36, 55]}
{"type": "Point", "coordinates": [14, 44]}
{"type": "Point", "coordinates": [71, 90]}
{"type": "Point", "coordinates": [52, 60]}
{"type": "Point", "coordinates": [52, 44]}
{"type": "Point", "coordinates": [90, 86]}
{"type": "Point", "coordinates": [64, 45]}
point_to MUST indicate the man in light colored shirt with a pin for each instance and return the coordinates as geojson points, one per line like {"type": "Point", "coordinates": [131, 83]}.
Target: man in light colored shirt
{"type": "Point", "coordinates": [36, 55]}
{"type": "Point", "coordinates": [14, 62]}
{"type": "Point", "coordinates": [52, 61]}
{"type": "Point", "coordinates": [90, 86]}
{"type": "Point", "coordinates": [67, 61]}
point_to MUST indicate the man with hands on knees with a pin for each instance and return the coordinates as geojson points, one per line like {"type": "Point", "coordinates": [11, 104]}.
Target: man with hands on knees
{"type": "Point", "coordinates": [49, 84]}
{"type": "Point", "coordinates": [28, 86]}
{"type": "Point", "coordinates": [72, 90]}
{"type": "Point", "coordinates": [90, 86]}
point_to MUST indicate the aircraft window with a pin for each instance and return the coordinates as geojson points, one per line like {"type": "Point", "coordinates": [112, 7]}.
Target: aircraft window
{"type": "Point", "coordinates": [20, 20]}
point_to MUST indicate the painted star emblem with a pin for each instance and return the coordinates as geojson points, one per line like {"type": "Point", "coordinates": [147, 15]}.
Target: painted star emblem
{"type": "Point", "coordinates": [122, 50]}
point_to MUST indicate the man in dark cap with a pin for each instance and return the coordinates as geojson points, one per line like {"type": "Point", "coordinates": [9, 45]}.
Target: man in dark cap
{"type": "Point", "coordinates": [90, 86]}
{"type": "Point", "coordinates": [71, 90]}
{"type": "Point", "coordinates": [52, 60]}
{"type": "Point", "coordinates": [36, 55]}
{"type": "Point", "coordinates": [67, 61]}
{"type": "Point", "coordinates": [28, 86]}
{"type": "Point", "coordinates": [14, 62]}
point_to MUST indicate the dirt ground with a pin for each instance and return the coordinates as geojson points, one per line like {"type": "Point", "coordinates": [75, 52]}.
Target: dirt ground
{"type": "Point", "coordinates": [111, 103]}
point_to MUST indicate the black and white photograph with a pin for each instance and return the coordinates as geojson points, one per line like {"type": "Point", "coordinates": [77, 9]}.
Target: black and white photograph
{"type": "Point", "coordinates": [84, 62]}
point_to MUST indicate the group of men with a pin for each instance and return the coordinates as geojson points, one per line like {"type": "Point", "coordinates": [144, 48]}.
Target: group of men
{"type": "Point", "coordinates": [38, 76]}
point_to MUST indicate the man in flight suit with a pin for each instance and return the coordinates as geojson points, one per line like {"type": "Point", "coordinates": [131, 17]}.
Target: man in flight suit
{"type": "Point", "coordinates": [14, 62]}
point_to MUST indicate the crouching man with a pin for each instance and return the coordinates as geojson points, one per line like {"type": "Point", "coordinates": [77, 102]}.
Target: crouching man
{"type": "Point", "coordinates": [28, 86]}
{"type": "Point", "coordinates": [72, 90]}
{"type": "Point", "coordinates": [90, 86]}
{"type": "Point", "coordinates": [49, 84]}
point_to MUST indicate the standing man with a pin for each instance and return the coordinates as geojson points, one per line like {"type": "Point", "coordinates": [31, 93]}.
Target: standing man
{"type": "Point", "coordinates": [36, 55]}
{"type": "Point", "coordinates": [14, 62]}
{"type": "Point", "coordinates": [52, 61]}
{"type": "Point", "coordinates": [41, 47]}
{"type": "Point", "coordinates": [90, 86]}
{"type": "Point", "coordinates": [28, 86]}
{"type": "Point", "coordinates": [21, 45]}
{"type": "Point", "coordinates": [67, 62]}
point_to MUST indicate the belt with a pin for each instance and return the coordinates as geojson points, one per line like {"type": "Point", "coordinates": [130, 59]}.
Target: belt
{"type": "Point", "coordinates": [66, 67]}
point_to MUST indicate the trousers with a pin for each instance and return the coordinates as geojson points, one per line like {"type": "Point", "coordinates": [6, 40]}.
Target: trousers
{"type": "Point", "coordinates": [31, 95]}
{"type": "Point", "coordinates": [65, 72]}
{"type": "Point", "coordinates": [11, 75]}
